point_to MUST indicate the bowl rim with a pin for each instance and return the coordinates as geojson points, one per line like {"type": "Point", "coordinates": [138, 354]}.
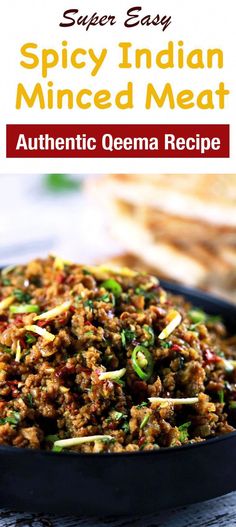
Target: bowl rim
{"type": "Point", "coordinates": [85, 455]}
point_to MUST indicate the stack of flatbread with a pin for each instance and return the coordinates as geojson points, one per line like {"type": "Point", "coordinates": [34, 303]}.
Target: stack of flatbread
{"type": "Point", "coordinates": [180, 227]}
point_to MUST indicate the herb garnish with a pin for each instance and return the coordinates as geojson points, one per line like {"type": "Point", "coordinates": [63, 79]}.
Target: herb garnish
{"type": "Point", "coordinates": [21, 296]}
{"type": "Point", "coordinates": [127, 335]}
{"type": "Point", "coordinates": [164, 344]}
{"type": "Point", "coordinates": [183, 429]}
{"type": "Point", "coordinates": [30, 339]}
{"type": "Point", "coordinates": [141, 405]}
{"type": "Point", "coordinates": [12, 419]}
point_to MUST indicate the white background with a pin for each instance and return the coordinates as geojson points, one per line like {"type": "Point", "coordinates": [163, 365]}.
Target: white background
{"type": "Point", "coordinates": [204, 24]}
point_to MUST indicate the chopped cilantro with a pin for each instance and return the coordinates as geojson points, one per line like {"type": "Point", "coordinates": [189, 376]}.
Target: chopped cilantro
{"type": "Point", "coordinates": [148, 295]}
{"type": "Point", "coordinates": [30, 339]}
{"type": "Point", "coordinates": [141, 405]}
{"type": "Point", "coordinates": [125, 427]}
{"type": "Point", "coordinates": [88, 303]}
{"type": "Point", "coordinates": [127, 335]}
{"type": "Point", "coordinates": [12, 419]}
{"type": "Point", "coordinates": [4, 349]}
{"type": "Point", "coordinates": [21, 296]}
{"type": "Point", "coordinates": [105, 298]}
{"type": "Point", "coordinates": [118, 415]}
{"type": "Point", "coordinates": [30, 400]}
{"type": "Point", "coordinates": [88, 333]}
{"type": "Point", "coordinates": [164, 344]}
{"type": "Point", "coordinates": [183, 429]}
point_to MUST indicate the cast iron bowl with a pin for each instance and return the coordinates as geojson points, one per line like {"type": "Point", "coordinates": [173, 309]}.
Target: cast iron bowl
{"type": "Point", "coordinates": [131, 483]}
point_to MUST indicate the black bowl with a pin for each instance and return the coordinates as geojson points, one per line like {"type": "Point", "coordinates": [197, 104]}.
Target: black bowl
{"type": "Point", "coordinates": [131, 483]}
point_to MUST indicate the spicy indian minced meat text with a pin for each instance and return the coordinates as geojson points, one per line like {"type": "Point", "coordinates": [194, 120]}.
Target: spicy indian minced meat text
{"type": "Point", "coordinates": [101, 360]}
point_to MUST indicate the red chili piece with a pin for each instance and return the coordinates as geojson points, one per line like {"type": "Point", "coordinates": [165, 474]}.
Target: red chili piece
{"type": "Point", "coordinates": [210, 356]}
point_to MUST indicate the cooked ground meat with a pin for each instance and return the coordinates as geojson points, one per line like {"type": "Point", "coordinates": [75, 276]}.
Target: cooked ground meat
{"type": "Point", "coordinates": [101, 360]}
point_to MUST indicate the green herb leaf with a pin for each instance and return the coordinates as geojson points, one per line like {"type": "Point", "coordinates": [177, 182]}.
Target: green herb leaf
{"type": "Point", "coordinates": [12, 419]}
{"type": "Point", "coordinates": [183, 429]}
{"type": "Point", "coordinates": [30, 400]}
{"type": "Point", "coordinates": [141, 405]}
{"type": "Point", "coordinates": [165, 344]}
{"type": "Point", "coordinates": [88, 334]}
{"type": "Point", "coordinates": [118, 415]}
{"type": "Point", "coordinates": [127, 335]}
{"type": "Point", "coordinates": [30, 339]}
{"type": "Point", "coordinates": [232, 405]}
{"type": "Point", "coordinates": [125, 427]}
{"type": "Point", "coordinates": [148, 295]}
{"type": "Point", "coordinates": [89, 303]}
{"type": "Point", "coordinates": [105, 298]}
{"type": "Point", "coordinates": [5, 349]}
{"type": "Point", "coordinates": [21, 296]}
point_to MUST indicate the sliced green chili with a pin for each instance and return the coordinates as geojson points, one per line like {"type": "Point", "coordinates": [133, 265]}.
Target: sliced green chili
{"type": "Point", "coordinates": [142, 366]}
{"type": "Point", "coordinates": [24, 308]}
{"type": "Point", "coordinates": [113, 286]}
{"type": "Point", "coordinates": [221, 396]}
{"type": "Point", "coordinates": [197, 316]}
{"type": "Point", "coordinates": [144, 421]}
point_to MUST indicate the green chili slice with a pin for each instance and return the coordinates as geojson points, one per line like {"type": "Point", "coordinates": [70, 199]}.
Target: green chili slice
{"type": "Point", "coordinates": [113, 286]}
{"type": "Point", "coordinates": [24, 308]}
{"type": "Point", "coordinates": [142, 362]}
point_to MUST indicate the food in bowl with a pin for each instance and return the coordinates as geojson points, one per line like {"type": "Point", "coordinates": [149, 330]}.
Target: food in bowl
{"type": "Point", "coordinates": [105, 360]}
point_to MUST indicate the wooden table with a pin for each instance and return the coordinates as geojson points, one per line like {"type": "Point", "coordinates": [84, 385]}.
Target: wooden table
{"type": "Point", "coordinates": [220, 512]}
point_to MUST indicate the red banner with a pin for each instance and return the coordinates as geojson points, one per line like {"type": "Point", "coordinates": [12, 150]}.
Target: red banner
{"type": "Point", "coordinates": [118, 140]}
